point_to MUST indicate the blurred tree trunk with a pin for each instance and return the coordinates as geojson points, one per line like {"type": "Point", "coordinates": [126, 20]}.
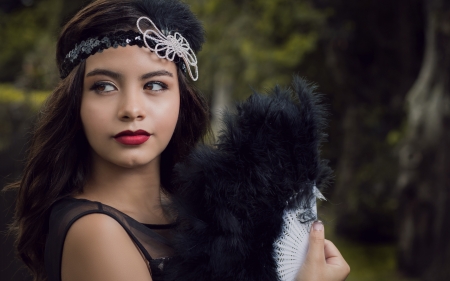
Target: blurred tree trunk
{"type": "Point", "coordinates": [424, 179]}
{"type": "Point", "coordinates": [373, 56]}
{"type": "Point", "coordinates": [220, 100]}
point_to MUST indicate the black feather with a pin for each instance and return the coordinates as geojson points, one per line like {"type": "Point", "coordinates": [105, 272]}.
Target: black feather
{"type": "Point", "coordinates": [232, 196]}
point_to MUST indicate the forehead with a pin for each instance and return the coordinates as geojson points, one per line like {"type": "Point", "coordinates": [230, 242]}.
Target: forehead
{"type": "Point", "coordinates": [129, 60]}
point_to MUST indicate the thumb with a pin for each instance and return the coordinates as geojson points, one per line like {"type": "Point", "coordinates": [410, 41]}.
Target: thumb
{"type": "Point", "coordinates": [316, 253]}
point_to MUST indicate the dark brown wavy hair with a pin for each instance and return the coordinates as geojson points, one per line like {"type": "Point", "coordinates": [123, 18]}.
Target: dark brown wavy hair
{"type": "Point", "coordinates": [58, 161]}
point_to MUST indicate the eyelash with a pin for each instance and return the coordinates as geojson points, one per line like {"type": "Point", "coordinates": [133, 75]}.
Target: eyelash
{"type": "Point", "coordinates": [97, 85]}
{"type": "Point", "coordinates": [161, 84]}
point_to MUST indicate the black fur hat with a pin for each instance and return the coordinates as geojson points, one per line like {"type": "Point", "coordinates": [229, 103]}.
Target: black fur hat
{"type": "Point", "coordinates": [232, 197]}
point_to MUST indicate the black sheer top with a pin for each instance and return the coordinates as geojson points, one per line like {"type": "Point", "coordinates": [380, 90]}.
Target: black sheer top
{"type": "Point", "coordinates": [152, 240]}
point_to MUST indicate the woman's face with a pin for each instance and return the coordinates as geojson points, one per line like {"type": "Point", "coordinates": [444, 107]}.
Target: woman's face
{"type": "Point", "coordinates": [130, 105]}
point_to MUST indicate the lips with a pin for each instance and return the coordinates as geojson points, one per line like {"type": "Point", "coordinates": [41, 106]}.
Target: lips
{"type": "Point", "coordinates": [132, 138]}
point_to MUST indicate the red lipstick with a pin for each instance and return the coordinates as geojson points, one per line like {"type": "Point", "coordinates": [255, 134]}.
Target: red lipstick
{"type": "Point", "coordinates": [132, 138]}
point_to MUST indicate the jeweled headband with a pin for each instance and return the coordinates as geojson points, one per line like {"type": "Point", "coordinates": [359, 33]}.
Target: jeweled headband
{"type": "Point", "coordinates": [171, 47]}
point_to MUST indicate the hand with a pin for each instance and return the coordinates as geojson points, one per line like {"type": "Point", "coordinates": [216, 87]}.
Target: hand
{"type": "Point", "coordinates": [323, 261]}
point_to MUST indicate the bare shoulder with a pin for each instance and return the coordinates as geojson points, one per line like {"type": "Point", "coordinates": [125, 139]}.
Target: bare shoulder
{"type": "Point", "coordinates": [98, 248]}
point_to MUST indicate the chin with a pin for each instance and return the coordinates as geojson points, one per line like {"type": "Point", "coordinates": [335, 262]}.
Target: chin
{"type": "Point", "coordinates": [135, 162]}
{"type": "Point", "coordinates": [127, 160]}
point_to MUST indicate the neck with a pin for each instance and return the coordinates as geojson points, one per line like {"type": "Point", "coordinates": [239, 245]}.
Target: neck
{"type": "Point", "coordinates": [134, 191]}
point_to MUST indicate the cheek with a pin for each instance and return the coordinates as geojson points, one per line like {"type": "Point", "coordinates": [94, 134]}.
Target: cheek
{"type": "Point", "coordinates": [85, 114]}
{"type": "Point", "coordinates": [87, 118]}
{"type": "Point", "coordinates": [168, 116]}
{"type": "Point", "coordinates": [93, 118]}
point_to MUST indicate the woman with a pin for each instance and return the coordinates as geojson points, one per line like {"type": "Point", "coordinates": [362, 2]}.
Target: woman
{"type": "Point", "coordinates": [90, 202]}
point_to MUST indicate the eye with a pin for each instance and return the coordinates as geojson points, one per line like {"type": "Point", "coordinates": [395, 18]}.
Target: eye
{"type": "Point", "coordinates": [155, 86]}
{"type": "Point", "coordinates": [103, 87]}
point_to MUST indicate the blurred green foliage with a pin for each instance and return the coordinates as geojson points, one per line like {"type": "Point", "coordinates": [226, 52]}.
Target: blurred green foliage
{"type": "Point", "coordinates": [16, 107]}
{"type": "Point", "coordinates": [370, 262]}
{"type": "Point", "coordinates": [27, 56]}
{"type": "Point", "coordinates": [12, 95]}
{"type": "Point", "coordinates": [256, 43]}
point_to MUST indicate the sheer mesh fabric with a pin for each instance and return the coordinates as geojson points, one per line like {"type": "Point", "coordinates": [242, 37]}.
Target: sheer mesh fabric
{"type": "Point", "coordinates": [152, 240]}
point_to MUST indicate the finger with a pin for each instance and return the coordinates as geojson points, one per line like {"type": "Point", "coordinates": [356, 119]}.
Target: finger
{"type": "Point", "coordinates": [332, 254]}
{"type": "Point", "coordinates": [316, 252]}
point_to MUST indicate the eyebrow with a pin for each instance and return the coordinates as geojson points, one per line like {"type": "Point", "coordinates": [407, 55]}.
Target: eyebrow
{"type": "Point", "coordinates": [156, 73]}
{"type": "Point", "coordinates": [116, 75]}
{"type": "Point", "coordinates": [104, 72]}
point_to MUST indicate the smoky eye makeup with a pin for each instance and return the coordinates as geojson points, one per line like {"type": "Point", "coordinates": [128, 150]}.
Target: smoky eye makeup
{"type": "Point", "coordinates": [156, 86]}
{"type": "Point", "coordinates": [102, 87]}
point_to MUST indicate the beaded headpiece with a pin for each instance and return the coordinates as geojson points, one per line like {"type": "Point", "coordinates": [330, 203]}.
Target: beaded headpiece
{"type": "Point", "coordinates": [167, 46]}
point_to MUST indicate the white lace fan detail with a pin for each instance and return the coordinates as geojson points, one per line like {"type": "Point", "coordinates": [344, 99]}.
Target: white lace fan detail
{"type": "Point", "coordinates": [291, 247]}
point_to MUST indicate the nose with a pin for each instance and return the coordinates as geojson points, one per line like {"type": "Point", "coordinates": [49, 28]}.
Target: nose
{"type": "Point", "coordinates": [131, 107]}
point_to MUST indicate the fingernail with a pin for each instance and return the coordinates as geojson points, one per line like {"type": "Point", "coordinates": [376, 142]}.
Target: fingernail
{"type": "Point", "coordinates": [318, 226]}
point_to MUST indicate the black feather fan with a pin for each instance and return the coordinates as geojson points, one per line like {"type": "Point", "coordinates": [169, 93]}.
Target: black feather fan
{"type": "Point", "coordinates": [232, 196]}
